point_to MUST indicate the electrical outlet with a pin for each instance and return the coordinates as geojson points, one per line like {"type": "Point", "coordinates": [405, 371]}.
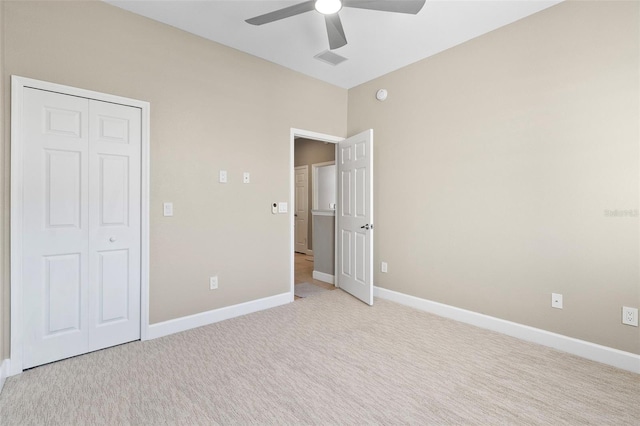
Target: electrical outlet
{"type": "Point", "coordinates": [222, 176]}
{"type": "Point", "coordinates": [556, 300]}
{"type": "Point", "coordinates": [630, 316]}
{"type": "Point", "coordinates": [383, 267]}
{"type": "Point", "coordinates": [213, 283]}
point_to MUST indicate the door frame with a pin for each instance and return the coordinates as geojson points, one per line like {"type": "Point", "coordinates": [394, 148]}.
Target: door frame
{"type": "Point", "coordinates": [307, 134]}
{"type": "Point", "coordinates": [18, 84]}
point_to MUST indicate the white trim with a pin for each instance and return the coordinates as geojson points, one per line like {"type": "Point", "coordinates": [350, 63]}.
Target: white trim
{"type": "Point", "coordinates": [321, 276]}
{"type": "Point", "coordinates": [604, 354]}
{"type": "Point", "coordinates": [205, 318]}
{"type": "Point", "coordinates": [323, 213]}
{"type": "Point", "coordinates": [309, 252]}
{"type": "Point", "coordinates": [4, 372]}
{"type": "Point", "coordinates": [292, 143]}
{"type": "Point", "coordinates": [314, 181]}
{"type": "Point", "coordinates": [17, 86]}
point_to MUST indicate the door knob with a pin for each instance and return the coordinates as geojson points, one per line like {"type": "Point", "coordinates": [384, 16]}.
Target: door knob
{"type": "Point", "coordinates": [112, 239]}
{"type": "Point", "coordinates": [365, 226]}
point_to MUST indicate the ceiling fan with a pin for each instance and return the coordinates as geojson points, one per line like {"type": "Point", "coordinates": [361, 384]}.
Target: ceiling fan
{"type": "Point", "coordinates": [330, 9]}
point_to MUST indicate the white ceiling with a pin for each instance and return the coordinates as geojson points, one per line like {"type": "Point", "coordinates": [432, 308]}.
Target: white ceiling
{"type": "Point", "coordinates": [378, 42]}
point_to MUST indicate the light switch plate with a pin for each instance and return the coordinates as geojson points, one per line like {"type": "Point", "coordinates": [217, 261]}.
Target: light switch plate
{"type": "Point", "coordinates": [246, 177]}
{"type": "Point", "coordinates": [167, 209]}
{"type": "Point", "coordinates": [274, 208]}
{"type": "Point", "coordinates": [222, 177]}
{"type": "Point", "coordinates": [283, 207]}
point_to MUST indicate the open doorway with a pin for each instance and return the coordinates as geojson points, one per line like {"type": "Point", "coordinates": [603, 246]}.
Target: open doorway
{"type": "Point", "coordinates": [352, 214]}
{"type": "Point", "coordinates": [309, 151]}
{"type": "Point", "coordinates": [314, 216]}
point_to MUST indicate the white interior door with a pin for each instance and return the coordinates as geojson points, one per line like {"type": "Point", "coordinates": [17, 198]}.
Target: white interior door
{"type": "Point", "coordinates": [81, 225]}
{"type": "Point", "coordinates": [114, 224]}
{"type": "Point", "coordinates": [355, 216]}
{"type": "Point", "coordinates": [301, 213]}
{"type": "Point", "coordinates": [55, 226]}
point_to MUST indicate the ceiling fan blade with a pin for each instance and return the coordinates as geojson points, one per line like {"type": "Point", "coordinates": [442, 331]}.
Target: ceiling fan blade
{"type": "Point", "coordinates": [398, 6]}
{"type": "Point", "coordinates": [335, 32]}
{"type": "Point", "coordinates": [276, 15]}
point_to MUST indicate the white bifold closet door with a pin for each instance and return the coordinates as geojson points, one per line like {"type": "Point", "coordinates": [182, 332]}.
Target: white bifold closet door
{"type": "Point", "coordinates": [81, 225]}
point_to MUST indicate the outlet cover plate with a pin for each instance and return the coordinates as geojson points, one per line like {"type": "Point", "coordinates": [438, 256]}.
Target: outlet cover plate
{"type": "Point", "coordinates": [630, 316]}
{"type": "Point", "coordinates": [213, 283]}
{"type": "Point", "coordinates": [383, 267]}
{"type": "Point", "coordinates": [556, 300]}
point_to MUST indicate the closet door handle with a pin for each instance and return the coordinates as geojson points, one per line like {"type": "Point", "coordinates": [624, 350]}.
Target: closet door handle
{"type": "Point", "coordinates": [112, 239]}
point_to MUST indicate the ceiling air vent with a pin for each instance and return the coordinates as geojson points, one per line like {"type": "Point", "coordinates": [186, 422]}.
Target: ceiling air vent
{"type": "Point", "coordinates": [330, 58]}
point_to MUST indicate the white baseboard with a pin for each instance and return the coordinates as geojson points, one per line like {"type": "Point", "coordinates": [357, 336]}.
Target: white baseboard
{"type": "Point", "coordinates": [205, 318]}
{"type": "Point", "coordinates": [321, 276]}
{"type": "Point", "coordinates": [309, 252]}
{"type": "Point", "coordinates": [604, 354]}
{"type": "Point", "coordinates": [4, 372]}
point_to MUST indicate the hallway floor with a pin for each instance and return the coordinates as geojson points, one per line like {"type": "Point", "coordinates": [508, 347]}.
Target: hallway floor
{"type": "Point", "coordinates": [303, 272]}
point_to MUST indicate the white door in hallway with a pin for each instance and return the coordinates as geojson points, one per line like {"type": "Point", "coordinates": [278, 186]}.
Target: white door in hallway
{"type": "Point", "coordinates": [81, 225]}
{"type": "Point", "coordinates": [301, 213]}
{"type": "Point", "coordinates": [355, 216]}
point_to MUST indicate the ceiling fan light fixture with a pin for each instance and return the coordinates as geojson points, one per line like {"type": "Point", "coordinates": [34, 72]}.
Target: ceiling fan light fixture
{"type": "Point", "coordinates": [328, 7]}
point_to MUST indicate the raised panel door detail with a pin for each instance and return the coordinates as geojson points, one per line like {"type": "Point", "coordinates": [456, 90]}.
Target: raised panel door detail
{"type": "Point", "coordinates": [360, 257]}
{"type": "Point", "coordinates": [114, 190]}
{"type": "Point", "coordinates": [345, 154]}
{"type": "Point", "coordinates": [62, 122]}
{"type": "Point", "coordinates": [360, 192]}
{"type": "Point", "coordinates": [301, 198]}
{"type": "Point", "coordinates": [345, 202]}
{"type": "Point", "coordinates": [346, 253]}
{"type": "Point", "coordinates": [113, 129]}
{"type": "Point", "coordinates": [113, 279]}
{"type": "Point", "coordinates": [301, 209]}
{"type": "Point", "coordinates": [360, 151]}
{"type": "Point", "coordinates": [63, 196]}
{"type": "Point", "coordinates": [62, 294]}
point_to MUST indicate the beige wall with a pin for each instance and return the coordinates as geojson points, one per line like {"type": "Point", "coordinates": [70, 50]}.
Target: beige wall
{"type": "Point", "coordinates": [212, 108]}
{"type": "Point", "coordinates": [495, 162]}
{"type": "Point", "coordinates": [306, 153]}
{"type": "Point", "coordinates": [324, 252]}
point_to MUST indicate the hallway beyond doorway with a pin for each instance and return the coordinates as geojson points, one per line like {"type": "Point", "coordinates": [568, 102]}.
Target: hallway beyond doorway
{"type": "Point", "coordinates": [303, 267]}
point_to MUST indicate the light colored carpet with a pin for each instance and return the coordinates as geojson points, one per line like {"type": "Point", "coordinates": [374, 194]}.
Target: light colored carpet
{"type": "Point", "coordinates": [307, 289]}
{"type": "Point", "coordinates": [328, 359]}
